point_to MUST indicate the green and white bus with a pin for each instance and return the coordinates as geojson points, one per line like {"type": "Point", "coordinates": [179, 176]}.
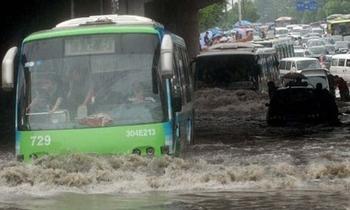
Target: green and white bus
{"type": "Point", "coordinates": [338, 25]}
{"type": "Point", "coordinates": [102, 85]}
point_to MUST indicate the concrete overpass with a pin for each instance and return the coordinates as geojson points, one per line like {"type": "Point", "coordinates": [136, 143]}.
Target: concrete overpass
{"type": "Point", "coordinates": [179, 16]}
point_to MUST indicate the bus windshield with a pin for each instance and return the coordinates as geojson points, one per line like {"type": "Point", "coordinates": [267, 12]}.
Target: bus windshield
{"type": "Point", "coordinates": [308, 64]}
{"type": "Point", "coordinates": [90, 81]}
{"type": "Point", "coordinates": [226, 71]}
{"type": "Point", "coordinates": [340, 28]}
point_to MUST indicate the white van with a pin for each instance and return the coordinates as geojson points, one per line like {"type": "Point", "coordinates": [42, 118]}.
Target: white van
{"type": "Point", "coordinates": [341, 66]}
{"type": "Point", "coordinates": [297, 64]}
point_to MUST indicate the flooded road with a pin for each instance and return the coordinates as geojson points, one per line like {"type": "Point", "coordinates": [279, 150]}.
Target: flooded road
{"type": "Point", "coordinates": [238, 162]}
{"type": "Point", "coordinates": [187, 201]}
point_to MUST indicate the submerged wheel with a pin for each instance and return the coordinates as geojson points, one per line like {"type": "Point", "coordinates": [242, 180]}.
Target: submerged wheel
{"type": "Point", "coordinates": [187, 139]}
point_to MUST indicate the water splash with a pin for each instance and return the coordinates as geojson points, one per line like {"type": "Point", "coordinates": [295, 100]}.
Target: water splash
{"type": "Point", "coordinates": [134, 174]}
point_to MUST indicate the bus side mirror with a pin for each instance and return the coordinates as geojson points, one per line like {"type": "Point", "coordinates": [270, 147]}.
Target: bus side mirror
{"type": "Point", "coordinates": [166, 56]}
{"type": "Point", "coordinates": [8, 68]}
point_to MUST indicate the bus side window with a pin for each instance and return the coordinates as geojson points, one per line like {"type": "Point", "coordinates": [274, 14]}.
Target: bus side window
{"type": "Point", "coordinates": [179, 73]}
{"type": "Point", "coordinates": [335, 62]}
{"type": "Point", "coordinates": [177, 86]}
{"type": "Point", "coordinates": [348, 63]}
{"type": "Point", "coordinates": [282, 65]}
{"type": "Point", "coordinates": [288, 65]}
{"type": "Point", "coordinates": [187, 74]}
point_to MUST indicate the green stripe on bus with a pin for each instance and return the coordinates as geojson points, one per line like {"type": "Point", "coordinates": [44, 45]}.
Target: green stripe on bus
{"type": "Point", "coordinates": [88, 30]}
{"type": "Point", "coordinates": [110, 140]}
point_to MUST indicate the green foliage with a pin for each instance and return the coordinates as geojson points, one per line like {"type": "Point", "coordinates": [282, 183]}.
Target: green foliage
{"type": "Point", "coordinates": [269, 10]}
{"type": "Point", "coordinates": [211, 16]}
{"type": "Point", "coordinates": [249, 10]}
{"type": "Point", "coordinates": [215, 15]}
{"type": "Point", "coordinates": [337, 7]}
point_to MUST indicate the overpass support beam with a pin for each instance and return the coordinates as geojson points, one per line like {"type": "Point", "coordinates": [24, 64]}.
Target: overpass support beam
{"type": "Point", "coordinates": [179, 17]}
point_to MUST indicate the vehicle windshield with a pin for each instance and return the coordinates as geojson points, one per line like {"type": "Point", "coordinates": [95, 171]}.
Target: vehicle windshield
{"type": "Point", "coordinates": [317, 30]}
{"type": "Point", "coordinates": [281, 31]}
{"type": "Point", "coordinates": [330, 48]}
{"type": "Point", "coordinates": [226, 71]}
{"type": "Point", "coordinates": [89, 81]}
{"type": "Point", "coordinates": [304, 32]}
{"type": "Point", "coordinates": [342, 44]}
{"type": "Point", "coordinates": [317, 50]}
{"type": "Point", "coordinates": [308, 64]}
{"type": "Point", "coordinates": [296, 33]}
{"type": "Point", "coordinates": [329, 41]}
{"type": "Point", "coordinates": [341, 28]}
{"type": "Point", "coordinates": [313, 80]}
{"type": "Point", "coordinates": [313, 43]}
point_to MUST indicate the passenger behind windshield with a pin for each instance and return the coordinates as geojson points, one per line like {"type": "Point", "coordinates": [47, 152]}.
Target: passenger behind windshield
{"type": "Point", "coordinates": [48, 97]}
{"type": "Point", "coordinates": [311, 64]}
{"type": "Point", "coordinates": [138, 95]}
{"type": "Point", "coordinates": [80, 92]}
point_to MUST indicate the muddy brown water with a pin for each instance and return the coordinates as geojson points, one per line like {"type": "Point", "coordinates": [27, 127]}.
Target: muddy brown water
{"type": "Point", "coordinates": [238, 162]}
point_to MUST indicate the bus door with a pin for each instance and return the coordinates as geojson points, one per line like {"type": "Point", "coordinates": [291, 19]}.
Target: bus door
{"type": "Point", "coordinates": [184, 118]}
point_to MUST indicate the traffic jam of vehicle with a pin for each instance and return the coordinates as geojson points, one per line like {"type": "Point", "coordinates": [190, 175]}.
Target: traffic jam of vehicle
{"type": "Point", "coordinates": [304, 68]}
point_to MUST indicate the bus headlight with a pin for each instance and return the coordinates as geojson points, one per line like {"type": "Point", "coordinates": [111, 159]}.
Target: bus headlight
{"type": "Point", "coordinates": [136, 152]}
{"type": "Point", "coordinates": [150, 151]}
{"type": "Point", "coordinates": [33, 156]}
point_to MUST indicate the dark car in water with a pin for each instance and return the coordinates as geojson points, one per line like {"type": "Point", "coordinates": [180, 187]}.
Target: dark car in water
{"type": "Point", "coordinates": [301, 104]}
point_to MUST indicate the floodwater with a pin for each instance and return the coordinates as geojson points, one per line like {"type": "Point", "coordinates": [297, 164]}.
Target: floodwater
{"type": "Point", "coordinates": [238, 162]}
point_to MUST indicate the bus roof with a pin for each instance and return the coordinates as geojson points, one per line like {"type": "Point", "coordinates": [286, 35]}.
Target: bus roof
{"type": "Point", "coordinates": [238, 48]}
{"type": "Point", "coordinates": [108, 19]}
{"type": "Point", "coordinates": [338, 17]}
{"type": "Point", "coordinates": [234, 45]}
{"type": "Point", "coordinates": [338, 21]}
{"type": "Point", "coordinates": [99, 24]}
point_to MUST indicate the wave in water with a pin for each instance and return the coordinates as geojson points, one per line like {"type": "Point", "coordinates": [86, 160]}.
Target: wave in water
{"type": "Point", "coordinates": [134, 174]}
